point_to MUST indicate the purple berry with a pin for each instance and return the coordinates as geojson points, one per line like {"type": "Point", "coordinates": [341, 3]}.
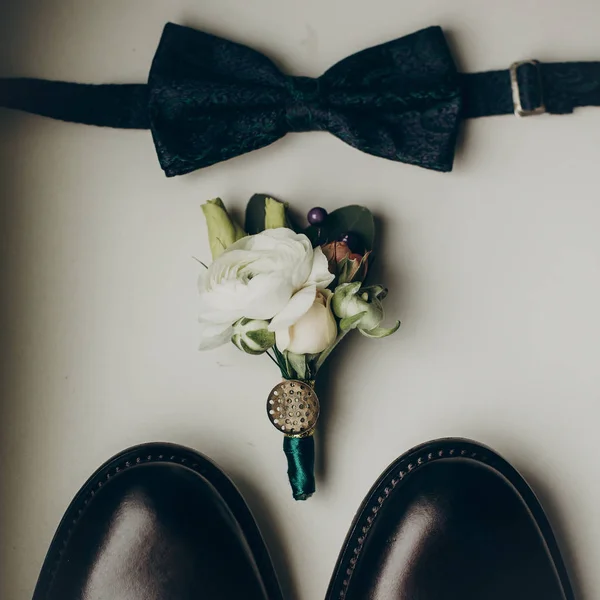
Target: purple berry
{"type": "Point", "coordinates": [351, 240]}
{"type": "Point", "coordinates": [317, 215]}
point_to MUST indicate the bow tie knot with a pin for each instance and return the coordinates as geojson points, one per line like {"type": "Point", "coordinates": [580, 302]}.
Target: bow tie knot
{"type": "Point", "coordinates": [303, 108]}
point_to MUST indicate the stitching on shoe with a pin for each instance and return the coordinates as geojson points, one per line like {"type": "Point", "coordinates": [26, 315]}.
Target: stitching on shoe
{"type": "Point", "coordinates": [391, 482]}
{"type": "Point", "coordinates": [63, 542]}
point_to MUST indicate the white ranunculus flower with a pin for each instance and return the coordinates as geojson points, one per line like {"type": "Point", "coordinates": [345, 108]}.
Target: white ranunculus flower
{"type": "Point", "coordinates": [314, 331]}
{"type": "Point", "coordinates": [274, 275]}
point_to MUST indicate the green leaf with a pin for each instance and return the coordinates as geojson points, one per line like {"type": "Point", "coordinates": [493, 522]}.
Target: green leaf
{"type": "Point", "coordinates": [255, 214]}
{"type": "Point", "coordinates": [311, 366]}
{"type": "Point", "coordinates": [355, 219]}
{"type": "Point", "coordinates": [348, 323]}
{"type": "Point", "coordinates": [298, 364]}
{"type": "Point", "coordinates": [380, 332]}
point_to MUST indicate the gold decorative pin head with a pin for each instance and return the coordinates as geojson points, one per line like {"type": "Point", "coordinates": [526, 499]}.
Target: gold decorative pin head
{"type": "Point", "coordinates": [293, 408]}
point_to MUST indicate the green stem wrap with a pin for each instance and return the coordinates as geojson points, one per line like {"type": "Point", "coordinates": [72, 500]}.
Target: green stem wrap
{"type": "Point", "coordinates": [300, 453]}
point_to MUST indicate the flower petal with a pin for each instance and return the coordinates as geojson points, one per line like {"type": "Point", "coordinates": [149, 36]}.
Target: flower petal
{"type": "Point", "coordinates": [212, 336]}
{"type": "Point", "coordinates": [267, 295]}
{"type": "Point", "coordinates": [282, 339]}
{"type": "Point", "coordinates": [298, 306]}
{"type": "Point", "coordinates": [259, 276]}
{"type": "Point", "coordinates": [319, 274]}
{"type": "Point", "coordinates": [380, 332]}
{"type": "Point", "coordinates": [314, 332]}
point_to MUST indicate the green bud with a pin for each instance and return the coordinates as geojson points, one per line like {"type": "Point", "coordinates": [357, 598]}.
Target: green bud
{"type": "Point", "coordinates": [361, 308]}
{"type": "Point", "coordinates": [222, 230]}
{"type": "Point", "coordinates": [252, 336]}
{"type": "Point", "coordinates": [275, 216]}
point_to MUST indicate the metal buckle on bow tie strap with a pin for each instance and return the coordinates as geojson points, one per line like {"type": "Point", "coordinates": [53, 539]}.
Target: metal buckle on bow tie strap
{"type": "Point", "coordinates": [516, 90]}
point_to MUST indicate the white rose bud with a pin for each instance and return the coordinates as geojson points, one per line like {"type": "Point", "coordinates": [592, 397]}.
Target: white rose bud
{"type": "Point", "coordinates": [314, 332]}
{"type": "Point", "coordinates": [252, 336]}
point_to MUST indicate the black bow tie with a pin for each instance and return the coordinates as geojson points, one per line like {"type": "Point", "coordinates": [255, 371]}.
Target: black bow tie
{"type": "Point", "coordinates": [209, 99]}
{"type": "Point", "coordinates": [212, 99]}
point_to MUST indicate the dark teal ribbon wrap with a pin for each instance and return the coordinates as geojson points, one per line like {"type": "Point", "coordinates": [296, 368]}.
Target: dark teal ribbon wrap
{"type": "Point", "coordinates": [300, 453]}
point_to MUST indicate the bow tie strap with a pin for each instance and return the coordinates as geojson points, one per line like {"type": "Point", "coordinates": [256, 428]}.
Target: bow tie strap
{"type": "Point", "coordinates": [124, 106]}
{"type": "Point", "coordinates": [531, 88]}
{"type": "Point", "coordinates": [209, 99]}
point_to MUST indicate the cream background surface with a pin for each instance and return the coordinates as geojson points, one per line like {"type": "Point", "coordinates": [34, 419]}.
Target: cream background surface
{"type": "Point", "coordinates": [494, 271]}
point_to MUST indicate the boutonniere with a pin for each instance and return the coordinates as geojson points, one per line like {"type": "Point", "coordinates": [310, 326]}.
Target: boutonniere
{"type": "Point", "coordinates": [292, 293]}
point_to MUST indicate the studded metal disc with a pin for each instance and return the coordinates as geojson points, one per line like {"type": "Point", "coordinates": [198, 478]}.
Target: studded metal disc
{"type": "Point", "coordinates": [293, 408]}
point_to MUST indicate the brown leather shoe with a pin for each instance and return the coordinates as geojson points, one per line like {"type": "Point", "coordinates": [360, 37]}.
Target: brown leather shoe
{"type": "Point", "coordinates": [450, 520]}
{"type": "Point", "coordinates": [157, 522]}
